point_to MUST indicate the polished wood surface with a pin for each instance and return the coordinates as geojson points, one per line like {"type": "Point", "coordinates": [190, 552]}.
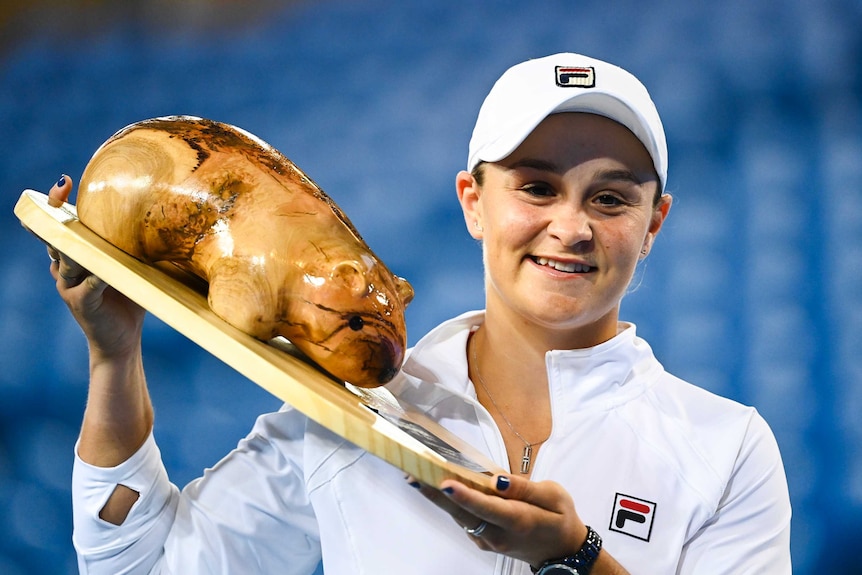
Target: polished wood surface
{"type": "Point", "coordinates": [368, 417]}
{"type": "Point", "coordinates": [279, 256]}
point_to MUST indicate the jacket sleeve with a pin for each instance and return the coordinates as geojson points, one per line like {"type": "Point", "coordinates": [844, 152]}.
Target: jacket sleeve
{"type": "Point", "coordinates": [749, 532]}
{"type": "Point", "coordinates": [250, 513]}
{"type": "Point", "coordinates": [136, 545]}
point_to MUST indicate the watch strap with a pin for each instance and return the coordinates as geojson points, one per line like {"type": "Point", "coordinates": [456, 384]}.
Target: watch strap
{"type": "Point", "coordinates": [581, 562]}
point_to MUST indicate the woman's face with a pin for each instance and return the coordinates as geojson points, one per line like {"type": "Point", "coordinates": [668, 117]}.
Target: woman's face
{"type": "Point", "coordinates": [563, 221]}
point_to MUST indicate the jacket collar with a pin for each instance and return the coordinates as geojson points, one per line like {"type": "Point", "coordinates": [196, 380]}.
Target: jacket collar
{"type": "Point", "coordinates": [599, 377]}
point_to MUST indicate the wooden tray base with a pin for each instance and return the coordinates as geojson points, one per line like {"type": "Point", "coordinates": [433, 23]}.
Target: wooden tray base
{"type": "Point", "coordinates": [373, 419]}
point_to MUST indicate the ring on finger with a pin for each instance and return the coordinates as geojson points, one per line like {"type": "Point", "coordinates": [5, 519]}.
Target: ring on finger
{"type": "Point", "coordinates": [476, 531]}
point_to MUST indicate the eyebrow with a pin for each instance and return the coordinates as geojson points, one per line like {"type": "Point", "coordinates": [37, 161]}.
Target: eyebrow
{"type": "Point", "coordinates": [612, 175]}
{"type": "Point", "coordinates": [619, 175]}
{"type": "Point", "coordinates": [536, 164]}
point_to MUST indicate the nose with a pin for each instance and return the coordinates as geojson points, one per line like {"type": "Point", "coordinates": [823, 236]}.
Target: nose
{"type": "Point", "coordinates": [570, 224]}
{"type": "Point", "coordinates": [391, 356]}
{"type": "Point", "coordinates": [386, 374]}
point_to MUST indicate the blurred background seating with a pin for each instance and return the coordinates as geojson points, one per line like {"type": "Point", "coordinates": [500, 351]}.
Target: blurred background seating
{"type": "Point", "coordinates": [754, 289]}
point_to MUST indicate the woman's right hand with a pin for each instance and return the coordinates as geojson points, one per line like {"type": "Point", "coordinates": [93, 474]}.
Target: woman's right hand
{"type": "Point", "coordinates": [111, 322]}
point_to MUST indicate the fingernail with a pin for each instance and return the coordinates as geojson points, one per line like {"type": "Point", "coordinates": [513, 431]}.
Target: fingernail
{"type": "Point", "coordinates": [503, 483]}
{"type": "Point", "coordinates": [61, 182]}
{"type": "Point", "coordinates": [448, 490]}
{"type": "Point", "coordinates": [414, 484]}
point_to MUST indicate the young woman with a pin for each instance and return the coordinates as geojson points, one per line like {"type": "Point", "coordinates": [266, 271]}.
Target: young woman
{"type": "Point", "coordinates": [616, 465]}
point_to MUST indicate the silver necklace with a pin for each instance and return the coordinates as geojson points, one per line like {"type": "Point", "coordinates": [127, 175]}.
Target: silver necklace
{"type": "Point", "coordinates": [527, 455]}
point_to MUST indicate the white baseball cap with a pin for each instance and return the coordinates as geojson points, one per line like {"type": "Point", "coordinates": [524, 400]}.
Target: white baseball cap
{"type": "Point", "coordinates": [529, 92]}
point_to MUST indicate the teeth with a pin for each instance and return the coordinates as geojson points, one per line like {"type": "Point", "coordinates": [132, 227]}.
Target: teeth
{"type": "Point", "coordinates": [562, 266]}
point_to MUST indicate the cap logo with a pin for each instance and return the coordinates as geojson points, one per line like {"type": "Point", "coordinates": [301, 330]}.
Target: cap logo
{"type": "Point", "coordinates": [576, 77]}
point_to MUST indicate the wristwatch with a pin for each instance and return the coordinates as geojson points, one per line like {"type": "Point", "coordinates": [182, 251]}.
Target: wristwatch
{"type": "Point", "coordinates": [581, 563]}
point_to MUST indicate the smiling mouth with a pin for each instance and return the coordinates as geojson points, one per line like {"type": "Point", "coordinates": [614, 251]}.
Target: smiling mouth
{"type": "Point", "coordinates": [567, 267]}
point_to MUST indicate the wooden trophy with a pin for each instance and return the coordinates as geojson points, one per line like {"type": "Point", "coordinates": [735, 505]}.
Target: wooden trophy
{"type": "Point", "coordinates": [177, 275]}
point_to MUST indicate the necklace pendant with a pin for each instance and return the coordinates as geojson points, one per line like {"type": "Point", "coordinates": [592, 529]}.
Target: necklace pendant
{"type": "Point", "coordinates": [526, 459]}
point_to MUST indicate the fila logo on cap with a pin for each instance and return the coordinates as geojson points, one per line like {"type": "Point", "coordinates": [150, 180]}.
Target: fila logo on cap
{"type": "Point", "coordinates": [633, 516]}
{"type": "Point", "coordinates": [576, 77]}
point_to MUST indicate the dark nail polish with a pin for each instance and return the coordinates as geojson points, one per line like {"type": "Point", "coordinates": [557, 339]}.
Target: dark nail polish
{"type": "Point", "coordinates": [414, 484]}
{"type": "Point", "coordinates": [61, 182]}
{"type": "Point", "coordinates": [503, 483]}
{"type": "Point", "coordinates": [448, 490]}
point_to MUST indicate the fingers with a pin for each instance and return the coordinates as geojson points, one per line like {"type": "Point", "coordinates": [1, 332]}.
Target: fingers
{"type": "Point", "coordinates": [59, 193]}
{"type": "Point", "coordinates": [519, 505]}
{"type": "Point", "coordinates": [467, 507]}
{"type": "Point", "coordinates": [65, 270]}
{"type": "Point", "coordinates": [70, 273]}
{"type": "Point", "coordinates": [471, 503]}
{"type": "Point", "coordinates": [527, 520]}
{"type": "Point", "coordinates": [545, 494]}
{"type": "Point", "coordinates": [441, 499]}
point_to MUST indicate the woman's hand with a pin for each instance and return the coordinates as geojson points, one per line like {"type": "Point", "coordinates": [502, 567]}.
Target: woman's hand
{"type": "Point", "coordinates": [530, 521]}
{"type": "Point", "coordinates": [119, 414]}
{"type": "Point", "coordinates": [111, 322]}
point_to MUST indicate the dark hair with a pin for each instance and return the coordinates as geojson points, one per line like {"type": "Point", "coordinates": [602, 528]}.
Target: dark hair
{"type": "Point", "coordinates": [478, 173]}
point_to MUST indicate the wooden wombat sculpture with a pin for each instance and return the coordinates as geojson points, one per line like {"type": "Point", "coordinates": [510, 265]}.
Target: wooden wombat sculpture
{"type": "Point", "coordinates": [278, 254]}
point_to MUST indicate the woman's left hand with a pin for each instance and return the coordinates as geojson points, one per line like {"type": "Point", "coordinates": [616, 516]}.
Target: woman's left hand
{"type": "Point", "coordinates": [530, 521]}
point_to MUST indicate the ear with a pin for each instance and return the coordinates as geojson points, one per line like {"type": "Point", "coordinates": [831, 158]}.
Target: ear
{"type": "Point", "coordinates": [351, 274]}
{"type": "Point", "coordinates": [659, 215]}
{"type": "Point", "coordinates": [404, 289]}
{"type": "Point", "coordinates": [468, 195]}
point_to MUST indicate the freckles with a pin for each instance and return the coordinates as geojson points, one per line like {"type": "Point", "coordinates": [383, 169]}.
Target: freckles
{"type": "Point", "coordinates": [624, 246]}
{"type": "Point", "coordinates": [616, 241]}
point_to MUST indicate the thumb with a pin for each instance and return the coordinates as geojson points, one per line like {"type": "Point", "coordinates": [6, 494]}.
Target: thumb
{"type": "Point", "coordinates": [545, 494]}
{"type": "Point", "coordinates": [59, 193]}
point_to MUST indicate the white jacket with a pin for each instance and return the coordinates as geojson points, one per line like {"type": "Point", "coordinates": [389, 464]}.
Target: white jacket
{"type": "Point", "coordinates": [674, 478]}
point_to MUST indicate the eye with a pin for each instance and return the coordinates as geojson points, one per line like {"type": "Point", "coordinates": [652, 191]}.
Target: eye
{"type": "Point", "coordinates": [608, 200]}
{"type": "Point", "coordinates": [539, 190]}
{"type": "Point", "coordinates": [356, 323]}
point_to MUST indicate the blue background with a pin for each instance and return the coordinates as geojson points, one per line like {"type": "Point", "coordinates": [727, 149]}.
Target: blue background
{"type": "Point", "coordinates": [754, 289]}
